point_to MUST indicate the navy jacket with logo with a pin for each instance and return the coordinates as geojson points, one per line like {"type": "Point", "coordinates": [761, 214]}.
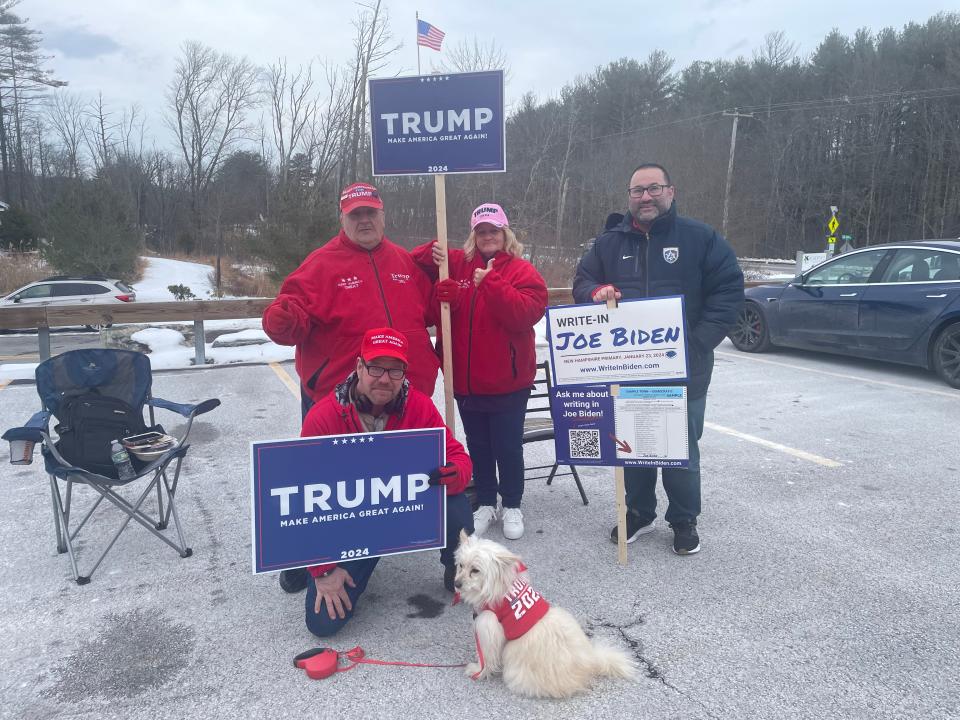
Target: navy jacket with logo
{"type": "Point", "coordinates": [704, 269]}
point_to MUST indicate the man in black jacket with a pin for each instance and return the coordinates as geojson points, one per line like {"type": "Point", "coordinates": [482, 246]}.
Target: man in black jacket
{"type": "Point", "coordinates": [653, 252]}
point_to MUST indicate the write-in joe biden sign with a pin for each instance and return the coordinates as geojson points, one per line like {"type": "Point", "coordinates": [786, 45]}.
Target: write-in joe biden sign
{"type": "Point", "coordinates": [641, 340]}
{"type": "Point", "coordinates": [342, 497]}
{"type": "Point", "coordinates": [438, 124]}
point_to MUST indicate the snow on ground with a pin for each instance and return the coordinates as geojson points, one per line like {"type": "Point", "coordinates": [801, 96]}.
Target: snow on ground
{"type": "Point", "coordinates": [169, 349]}
{"type": "Point", "coordinates": [161, 272]}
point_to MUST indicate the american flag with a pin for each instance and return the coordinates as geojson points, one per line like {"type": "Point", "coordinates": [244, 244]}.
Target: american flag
{"type": "Point", "coordinates": [428, 35]}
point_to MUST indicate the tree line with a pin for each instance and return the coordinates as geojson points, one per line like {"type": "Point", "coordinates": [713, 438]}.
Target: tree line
{"type": "Point", "coordinates": [254, 157]}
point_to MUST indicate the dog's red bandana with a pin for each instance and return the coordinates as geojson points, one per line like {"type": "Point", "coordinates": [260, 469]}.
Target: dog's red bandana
{"type": "Point", "coordinates": [520, 609]}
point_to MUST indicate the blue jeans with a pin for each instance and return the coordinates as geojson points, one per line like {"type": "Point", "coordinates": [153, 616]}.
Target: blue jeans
{"type": "Point", "coordinates": [459, 517]}
{"type": "Point", "coordinates": [495, 442]}
{"type": "Point", "coordinates": [682, 485]}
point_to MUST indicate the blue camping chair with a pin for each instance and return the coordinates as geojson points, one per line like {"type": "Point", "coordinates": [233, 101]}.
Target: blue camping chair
{"type": "Point", "coordinates": [121, 380]}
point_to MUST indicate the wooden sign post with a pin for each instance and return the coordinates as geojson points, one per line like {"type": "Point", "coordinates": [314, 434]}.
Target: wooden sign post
{"type": "Point", "coordinates": [620, 489]}
{"type": "Point", "coordinates": [440, 189]}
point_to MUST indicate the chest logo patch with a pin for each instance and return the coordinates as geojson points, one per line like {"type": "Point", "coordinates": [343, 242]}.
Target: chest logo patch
{"type": "Point", "coordinates": [671, 254]}
{"type": "Point", "coordinates": [351, 282]}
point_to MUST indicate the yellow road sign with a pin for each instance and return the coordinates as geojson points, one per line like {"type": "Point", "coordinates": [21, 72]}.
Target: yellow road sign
{"type": "Point", "coordinates": [832, 239]}
{"type": "Point", "coordinates": [833, 224]}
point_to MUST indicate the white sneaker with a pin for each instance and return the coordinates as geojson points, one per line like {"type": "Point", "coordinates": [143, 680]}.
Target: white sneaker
{"type": "Point", "coordinates": [482, 519]}
{"type": "Point", "coordinates": [512, 523]}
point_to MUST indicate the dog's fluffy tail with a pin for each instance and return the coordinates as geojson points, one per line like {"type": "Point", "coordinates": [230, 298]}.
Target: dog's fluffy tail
{"type": "Point", "coordinates": [612, 661]}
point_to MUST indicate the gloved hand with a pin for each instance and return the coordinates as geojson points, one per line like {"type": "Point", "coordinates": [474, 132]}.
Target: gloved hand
{"type": "Point", "coordinates": [444, 475]}
{"type": "Point", "coordinates": [448, 291]}
{"type": "Point", "coordinates": [284, 319]}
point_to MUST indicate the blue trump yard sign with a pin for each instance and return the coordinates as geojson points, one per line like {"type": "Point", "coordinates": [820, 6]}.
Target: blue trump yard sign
{"type": "Point", "coordinates": [341, 497]}
{"type": "Point", "coordinates": [438, 124]}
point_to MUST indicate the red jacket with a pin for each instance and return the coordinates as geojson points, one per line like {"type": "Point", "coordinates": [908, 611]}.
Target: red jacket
{"type": "Point", "coordinates": [338, 293]}
{"type": "Point", "coordinates": [335, 415]}
{"type": "Point", "coordinates": [494, 349]}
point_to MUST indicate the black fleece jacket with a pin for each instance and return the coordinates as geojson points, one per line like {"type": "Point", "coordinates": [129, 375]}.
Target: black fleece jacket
{"type": "Point", "coordinates": [704, 270]}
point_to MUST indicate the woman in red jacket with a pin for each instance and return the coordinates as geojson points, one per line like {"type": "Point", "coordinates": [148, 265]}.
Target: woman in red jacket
{"type": "Point", "coordinates": [496, 297]}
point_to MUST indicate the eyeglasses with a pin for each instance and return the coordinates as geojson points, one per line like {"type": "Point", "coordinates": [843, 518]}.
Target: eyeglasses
{"type": "Point", "coordinates": [655, 190]}
{"type": "Point", "coordinates": [376, 371]}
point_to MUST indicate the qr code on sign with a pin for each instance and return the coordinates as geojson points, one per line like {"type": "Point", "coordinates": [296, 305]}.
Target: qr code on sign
{"type": "Point", "coordinates": [585, 444]}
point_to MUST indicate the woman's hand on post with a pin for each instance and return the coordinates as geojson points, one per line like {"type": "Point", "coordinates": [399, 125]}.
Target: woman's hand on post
{"type": "Point", "coordinates": [438, 254]}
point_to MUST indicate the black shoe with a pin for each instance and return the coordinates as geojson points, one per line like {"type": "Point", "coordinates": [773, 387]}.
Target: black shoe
{"type": "Point", "coordinates": [635, 528]}
{"type": "Point", "coordinates": [449, 571]}
{"type": "Point", "coordinates": [293, 581]}
{"type": "Point", "coordinates": [685, 538]}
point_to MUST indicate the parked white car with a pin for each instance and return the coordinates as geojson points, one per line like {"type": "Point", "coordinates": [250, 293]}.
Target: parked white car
{"type": "Point", "coordinates": [69, 290]}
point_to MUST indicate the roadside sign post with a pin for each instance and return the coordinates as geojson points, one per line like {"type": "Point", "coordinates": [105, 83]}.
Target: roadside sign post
{"type": "Point", "coordinates": [832, 226]}
{"type": "Point", "coordinates": [447, 123]}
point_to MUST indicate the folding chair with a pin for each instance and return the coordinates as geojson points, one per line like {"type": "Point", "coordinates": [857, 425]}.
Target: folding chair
{"type": "Point", "coordinates": [124, 378]}
{"type": "Point", "coordinates": [537, 429]}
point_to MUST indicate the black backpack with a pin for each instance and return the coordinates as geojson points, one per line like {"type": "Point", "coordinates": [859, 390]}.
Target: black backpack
{"type": "Point", "coordinates": [88, 424]}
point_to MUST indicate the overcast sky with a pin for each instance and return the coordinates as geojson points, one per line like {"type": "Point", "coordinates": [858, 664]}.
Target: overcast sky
{"type": "Point", "coordinates": [127, 49]}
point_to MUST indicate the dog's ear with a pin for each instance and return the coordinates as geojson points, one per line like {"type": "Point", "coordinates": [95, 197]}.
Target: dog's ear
{"type": "Point", "coordinates": [507, 560]}
{"type": "Point", "coordinates": [463, 536]}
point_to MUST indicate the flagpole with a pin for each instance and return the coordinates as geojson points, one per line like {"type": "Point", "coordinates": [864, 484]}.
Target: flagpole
{"type": "Point", "coordinates": [418, 44]}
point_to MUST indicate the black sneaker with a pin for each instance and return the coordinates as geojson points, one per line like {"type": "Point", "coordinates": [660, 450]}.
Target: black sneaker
{"type": "Point", "coordinates": [293, 581]}
{"type": "Point", "coordinates": [635, 528]}
{"type": "Point", "coordinates": [449, 571]}
{"type": "Point", "coordinates": [685, 538]}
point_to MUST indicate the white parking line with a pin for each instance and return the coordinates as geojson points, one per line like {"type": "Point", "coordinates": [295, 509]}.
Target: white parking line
{"type": "Point", "coordinates": [955, 395]}
{"type": "Point", "coordinates": [287, 380]}
{"type": "Point", "coordinates": [802, 454]}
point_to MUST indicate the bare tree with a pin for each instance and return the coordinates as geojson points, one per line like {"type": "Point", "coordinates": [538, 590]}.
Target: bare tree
{"type": "Point", "coordinates": [372, 47]}
{"type": "Point", "coordinates": [208, 100]}
{"type": "Point", "coordinates": [292, 110]}
{"type": "Point", "coordinates": [65, 116]}
{"type": "Point", "coordinates": [472, 55]}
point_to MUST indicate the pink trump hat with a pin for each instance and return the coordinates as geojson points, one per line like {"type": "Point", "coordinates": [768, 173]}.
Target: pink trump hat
{"type": "Point", "coordinates": [489, 213]}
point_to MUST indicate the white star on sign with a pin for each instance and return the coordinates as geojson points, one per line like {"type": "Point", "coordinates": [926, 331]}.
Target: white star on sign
{"type": "Point", "coordinates": [353, 440]}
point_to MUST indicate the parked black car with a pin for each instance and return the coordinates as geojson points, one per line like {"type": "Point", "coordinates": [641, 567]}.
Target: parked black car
{"type": "Point", "coordinates": [898, 302]}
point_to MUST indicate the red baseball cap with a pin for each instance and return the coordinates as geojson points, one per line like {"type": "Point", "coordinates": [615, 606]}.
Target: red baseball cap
{"type": "Point", "coordinates": [384, 342]}
{"type": "Point", "coordinates": [359, 195]}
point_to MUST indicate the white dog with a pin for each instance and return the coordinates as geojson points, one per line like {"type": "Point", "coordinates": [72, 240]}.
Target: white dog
{"type": "Point", "coordinates": [540, 650]}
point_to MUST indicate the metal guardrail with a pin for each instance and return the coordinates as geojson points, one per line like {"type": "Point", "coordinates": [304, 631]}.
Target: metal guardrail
{"type": "Point", "coordinates": [196, 311]}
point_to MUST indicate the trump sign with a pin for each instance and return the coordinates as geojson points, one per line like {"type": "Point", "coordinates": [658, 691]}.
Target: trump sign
{"type": "Point", "coordinates": [438, 124]}
{"type": "Point", "coordinates": [341, 497]}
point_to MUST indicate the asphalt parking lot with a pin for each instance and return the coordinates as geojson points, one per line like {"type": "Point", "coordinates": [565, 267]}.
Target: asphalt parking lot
{"type": "Point", "coordinates": [826, 587]}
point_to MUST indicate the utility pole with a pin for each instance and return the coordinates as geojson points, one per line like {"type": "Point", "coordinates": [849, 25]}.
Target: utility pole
{"type": "Point", "coordinates": [736, 114]}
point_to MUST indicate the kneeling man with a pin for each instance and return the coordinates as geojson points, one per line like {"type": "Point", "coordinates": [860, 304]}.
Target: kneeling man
{"type": "Point", "coordinates": [377, 396]}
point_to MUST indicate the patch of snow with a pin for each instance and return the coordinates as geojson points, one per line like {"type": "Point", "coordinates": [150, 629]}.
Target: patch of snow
{"type": "Point", "coordinates": [17, 371]}
{"type": "Point", "coordinates": [252, 334]}
{"type": "Point", "coordinates": [161, 272]}
{"type": "Point", "coordinates": [159, 339]}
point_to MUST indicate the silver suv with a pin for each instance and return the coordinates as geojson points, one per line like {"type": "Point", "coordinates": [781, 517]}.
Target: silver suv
{"type": "Point", "coordinates": [69, 290]}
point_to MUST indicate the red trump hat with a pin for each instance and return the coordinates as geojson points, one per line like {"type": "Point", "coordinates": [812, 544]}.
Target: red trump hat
{"type": "Point", "coordinates": [384, 342]}
{"type": "Point", "coordinates": [360, 195]}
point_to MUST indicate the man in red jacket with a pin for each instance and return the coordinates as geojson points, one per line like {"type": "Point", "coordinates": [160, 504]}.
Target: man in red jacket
{"type": "Point", "coordinates": [357, 281]}
{"type": "Point", "coordinates": [375, 397]}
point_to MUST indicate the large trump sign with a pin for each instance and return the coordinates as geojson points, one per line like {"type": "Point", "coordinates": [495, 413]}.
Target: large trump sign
{"type": "Point", "coordinates": [341, 497]}
{"type": "Point", "coordinates": [438, 124]}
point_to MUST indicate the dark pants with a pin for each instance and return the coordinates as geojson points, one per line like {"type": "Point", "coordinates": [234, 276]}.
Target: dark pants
{"type": "Point", "coordinates": [459, 517]}
{"type": "Point", "coordinates": [495, 442]}
{"type": "Point", "coordinates": [305, 404]}
{"type": "Point", "coordinates": [682, 485]}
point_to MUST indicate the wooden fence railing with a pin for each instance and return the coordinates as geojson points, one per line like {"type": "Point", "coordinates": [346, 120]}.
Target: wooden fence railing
{"type": "Point", "coordinates": [196, 311]}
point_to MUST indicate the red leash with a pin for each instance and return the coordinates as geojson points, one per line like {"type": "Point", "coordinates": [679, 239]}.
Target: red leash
{"type": "Point", "coordinates": [321, 663]}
